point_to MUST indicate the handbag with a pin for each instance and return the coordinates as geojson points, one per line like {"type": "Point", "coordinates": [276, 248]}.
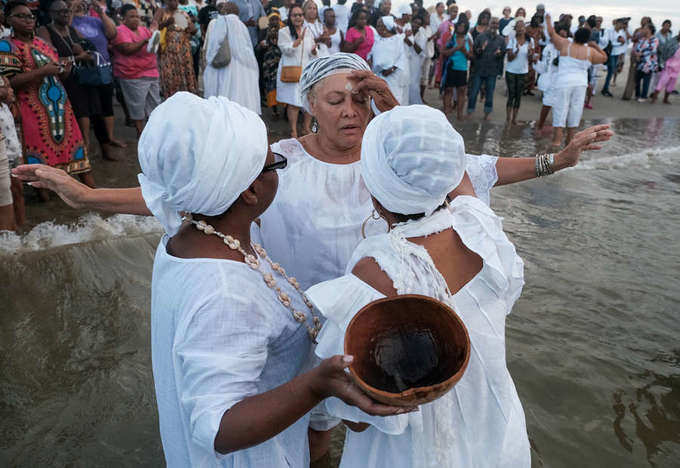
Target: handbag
{"type": "Point", "coordinates": [101, 73]}
{"type": "Point", "coordinates": [292, 73]}
{"type": "Point", "coordinates": [223, 56]}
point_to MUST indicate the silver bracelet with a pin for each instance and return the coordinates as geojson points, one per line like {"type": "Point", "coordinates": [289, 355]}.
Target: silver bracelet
{"type": "Point", "coordinates": [544, 164]}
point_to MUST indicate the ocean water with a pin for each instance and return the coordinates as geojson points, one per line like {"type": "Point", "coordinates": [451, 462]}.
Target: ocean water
{"type": "Point", "coordinates": [592, 343]}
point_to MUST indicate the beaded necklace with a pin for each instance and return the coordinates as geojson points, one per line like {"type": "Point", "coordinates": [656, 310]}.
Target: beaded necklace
{"type": "Point", "coordinates": [253, 262]}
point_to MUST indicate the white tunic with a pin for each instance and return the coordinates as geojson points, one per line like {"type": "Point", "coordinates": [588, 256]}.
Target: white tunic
{"type": "Point", "coordinates": [480, 422]}
{"type": "Point", "coordinates": [238, 81]}
{"type": "Point", "coordinates": [391, 52]}
{"type": "Point", "coordinates": [314, 223]}
{"type": "Point", "coordinates": [317, 30]}
{"type": "Point", "coordinates": [415, 61]}
{"type": "Point", "coordinates": [219, 335]}
{"type": "Point", "coordinates": [289, 93]}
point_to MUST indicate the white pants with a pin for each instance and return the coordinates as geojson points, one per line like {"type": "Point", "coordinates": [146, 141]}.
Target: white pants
{"type": "Point", "coordinates": [5, 182]}
{"type": "Point", "coordinates": [568, 106]}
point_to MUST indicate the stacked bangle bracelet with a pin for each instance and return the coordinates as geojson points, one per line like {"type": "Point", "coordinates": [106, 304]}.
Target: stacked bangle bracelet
{"type": "Point", "coordinates": [544, 164]}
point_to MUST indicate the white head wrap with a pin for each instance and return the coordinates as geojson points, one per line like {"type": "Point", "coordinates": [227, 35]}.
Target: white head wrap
{"type": "Point", "coordinates": [198, 155]}
{"type": "Point", "coordinates": [405, 9]}
{"type": "Point", "coordinates": [322, 67]}
{"type": "Point", "coordinates": [411, 158]}
{"type": "Point", "coordinates": [388, 21]}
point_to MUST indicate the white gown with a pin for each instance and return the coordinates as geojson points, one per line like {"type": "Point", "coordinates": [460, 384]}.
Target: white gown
{"type": "Point", "coordinates": [480, 422]}
{"type": "Point", "coordinates": [289, 93]}
{"type": "Point", "coordinates": [218, 335]}
{"type": "Point", "coordinates": [391, 52]}
{"type": "Point", "coordinates": [238, 81]}
{"type": "Point", "coordinates": [314, 223]}
{"type": "Point", "coordinates": [415, 61]}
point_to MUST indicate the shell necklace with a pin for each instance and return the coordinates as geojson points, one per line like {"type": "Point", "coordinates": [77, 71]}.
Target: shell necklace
{"type": "Point", "coordinates": [253, 262]}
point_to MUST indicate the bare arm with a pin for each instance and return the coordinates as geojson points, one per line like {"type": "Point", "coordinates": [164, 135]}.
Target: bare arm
{"type": "Point", "coordinates": [109, 26]}
{"type": "Point", "coordinates": [80, 196]}
{"type": "Point", "coordinates": [597, 55]}
{"type": "Point", "coordinates": [556, 39]}
{"type": "Point", "coordinates": [260, 417]}
{"type": "Point", "coordinates": [24, 79]}
{"type": "Point", "coordinates": [130, 48]}
{"type": "Point", "coordinates": [512, 170]}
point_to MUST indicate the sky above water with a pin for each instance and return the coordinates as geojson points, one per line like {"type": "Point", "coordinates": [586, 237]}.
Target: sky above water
{"type": "Point", "coordinates": [659, 10]}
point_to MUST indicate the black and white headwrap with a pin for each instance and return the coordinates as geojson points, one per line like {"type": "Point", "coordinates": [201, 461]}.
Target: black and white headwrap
{"type": "Point", "coordinates": [323, 67]}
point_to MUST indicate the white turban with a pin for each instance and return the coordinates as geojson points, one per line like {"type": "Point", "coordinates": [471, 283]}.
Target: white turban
{"type": "Point", "coordinates": [388, 21]}
{"type": "Point", "coordinates": [405, 9]}
{"type": "Point", "coordinates": [322, 67]}
{"type": "Point", "coordinates": [197, 155]}
{"type": "Point", "coordinates": [411, 158]}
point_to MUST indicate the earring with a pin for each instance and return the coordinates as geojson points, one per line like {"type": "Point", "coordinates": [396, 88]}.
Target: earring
{"type": "Point", "coordinates": [374, 216]}
{"type": "Point", "coordinates": [315, 126]}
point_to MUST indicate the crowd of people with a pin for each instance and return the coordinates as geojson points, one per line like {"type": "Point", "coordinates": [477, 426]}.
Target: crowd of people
{"type": "Point", "coordinates": [63, 63]}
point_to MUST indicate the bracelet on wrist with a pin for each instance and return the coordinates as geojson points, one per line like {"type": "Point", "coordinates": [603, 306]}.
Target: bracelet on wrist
{"type": "Point", "coordinates": [545, 164]}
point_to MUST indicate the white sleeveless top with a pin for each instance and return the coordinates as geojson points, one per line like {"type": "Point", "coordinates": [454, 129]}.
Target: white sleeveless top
{"type": "Point", "coordinates": [314, 223]}
{"type": "Point", "coordinates": [336, 39]}
{"type": "Point", "coordinates": [572, 71]}
{"type": "Point", "coordinates": [480, 422]}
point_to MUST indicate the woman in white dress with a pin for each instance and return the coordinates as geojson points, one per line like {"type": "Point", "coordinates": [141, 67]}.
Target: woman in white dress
{"type": "Point", "coordinates": [445, 243]}
{"type": "Point", "coordinates": [332, 31]}
{"type": "Point", "coordinates": [297, 47]}
{"type": "Point", "coordinates": [237, 81]}
{"type": "Point", "coordinates": [390, 60]}
{"type": "Point", "coordinates": [315, 26]}
{"type": "Point", "coordinates": [230, 331]}
{"type": "Point", "coordinates": [416, 44]}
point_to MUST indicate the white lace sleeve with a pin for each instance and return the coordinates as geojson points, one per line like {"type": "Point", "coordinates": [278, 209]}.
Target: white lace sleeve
{"type": "Point", "coordinates": [482, 172]}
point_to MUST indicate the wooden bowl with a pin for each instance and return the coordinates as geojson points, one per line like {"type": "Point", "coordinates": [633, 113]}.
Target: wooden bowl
{"type": "Point", "coordinates": [408, 350]}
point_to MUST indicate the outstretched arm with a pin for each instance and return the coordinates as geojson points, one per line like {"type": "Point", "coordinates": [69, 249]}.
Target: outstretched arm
{"type": "Point", "coordinates": [511, 170]}
{"type": "Point", "coordinates": [80, 196]}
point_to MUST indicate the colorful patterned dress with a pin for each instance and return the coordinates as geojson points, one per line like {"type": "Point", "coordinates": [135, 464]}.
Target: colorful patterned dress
{"type": "Point", "coordinates": [175, 62]}
{"type": "Point", "coordinates": [50, 131]}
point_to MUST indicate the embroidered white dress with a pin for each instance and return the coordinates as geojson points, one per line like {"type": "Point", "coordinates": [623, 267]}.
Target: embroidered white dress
{"type": "Point", "coordinates": [218, 335]}
{"type": "Point", "coordinates": [314, 223]}
{"type": "Point", "coordinates": [480, 422]}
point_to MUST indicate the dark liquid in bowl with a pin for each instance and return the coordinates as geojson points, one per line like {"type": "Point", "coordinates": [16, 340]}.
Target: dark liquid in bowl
{"type": "Point", "coordinates": [407, 358]}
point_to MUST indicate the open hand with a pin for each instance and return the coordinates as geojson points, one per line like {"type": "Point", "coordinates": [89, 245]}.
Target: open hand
{"type": "Point", "coordinates": [46, 177]}
{"type": "Point", "coordinates": [586, 140]}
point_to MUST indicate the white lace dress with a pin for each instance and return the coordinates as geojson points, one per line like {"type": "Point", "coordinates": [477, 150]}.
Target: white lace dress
{"type": "Point", "coordinates": [480, 422]}
{"type": "Point", "coordinates": [314, 223]}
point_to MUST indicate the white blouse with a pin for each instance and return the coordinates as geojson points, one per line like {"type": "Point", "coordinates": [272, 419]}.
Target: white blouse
{"type": "Point", "coordinates": [480, 422]}
{"type": "Point", "coordinates": [218, 336]}
{"type": "Point", "coordinates": [314, 223]}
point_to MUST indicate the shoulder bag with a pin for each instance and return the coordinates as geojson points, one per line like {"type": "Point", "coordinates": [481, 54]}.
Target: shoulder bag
{"type": "Point", "coordinates": [292, 73]}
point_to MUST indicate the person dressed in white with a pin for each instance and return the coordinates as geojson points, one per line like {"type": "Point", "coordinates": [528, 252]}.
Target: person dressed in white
{"type": "Point", "coordinates": [547, 68]}
{"type": "Point", "coordinates": [297, 48]}
{"type": "Point", "coordinates": [438, 16]}
{"type": "Point", "coordinates": [237, 80]}
{"type": "Point", "coordinates": [619, 38]}
{"type": "Point", "coordinates": [480, 422]}
{"type": "Point", "coordinates": [341, 15]}
{"type": "Point", "coordinates": [572, 79]}
{"type": "Point", "coordinates": [416, 45]}
{"type": "Point", "coordinates": [231, 333]}
{"type": "Point", "coordinates": [390, 60]}
{"type": "Point", "coordinates": [335, 37]}
{"type": "Point", "coordinates": [314, 25]}
{"type": "Point", "coordinates": [426, 35]}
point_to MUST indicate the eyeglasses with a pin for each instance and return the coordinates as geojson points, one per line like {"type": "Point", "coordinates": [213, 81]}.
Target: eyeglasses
{"type": "Point", "coordinates": [280, 162]}
{"type": "Point", "coordinates": [23, 16]}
